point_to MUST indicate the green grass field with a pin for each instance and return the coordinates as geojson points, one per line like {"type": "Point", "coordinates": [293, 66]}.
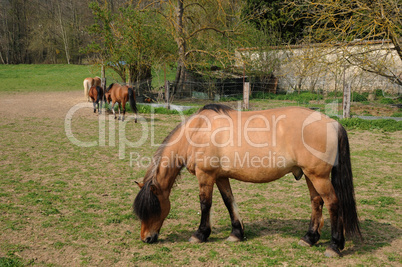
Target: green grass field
{"type": "Point", "coordinates": [67, 205]}
{"type": "Point", "coordinates": [38, 78]}
{"type": "Point", "coordinates": [51, 78]}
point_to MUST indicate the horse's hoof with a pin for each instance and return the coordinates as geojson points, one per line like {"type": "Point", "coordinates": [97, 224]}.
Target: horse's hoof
{"type": "Point", "coordinates": [332, 253]}
{"type": "Point", "coordinates": [233, 238]}
{"type": "Point", "coordinates": [304, 243]}
{"type": "Point", "coordinates": [194, 240]}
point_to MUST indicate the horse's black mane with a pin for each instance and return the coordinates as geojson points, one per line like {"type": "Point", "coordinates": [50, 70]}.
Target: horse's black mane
{"type": "Point", "coordinates": [218, 108]}
{"type": "Point", "coordinates": [146, 204]}
{"type": "Point", "coordinates": [110, 86]}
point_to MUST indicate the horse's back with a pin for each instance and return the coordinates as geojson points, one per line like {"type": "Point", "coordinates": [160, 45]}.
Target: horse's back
{"type": "Point", "coordinates": [119, 93]}
{"type": "Point", "coordinates": [97, 81]}
{"type": "Point", "coordinates": [93, 92]}
{"type": "Point", "coordinates": [88, 82]}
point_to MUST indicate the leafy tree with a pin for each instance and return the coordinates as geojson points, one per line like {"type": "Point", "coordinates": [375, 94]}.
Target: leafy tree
{"type": "Point", "coordinates": [206, 32]}
{"type": "Point", "coordinates": [128, 41]}
{"type": "Point", "coordinates": [143, 40]}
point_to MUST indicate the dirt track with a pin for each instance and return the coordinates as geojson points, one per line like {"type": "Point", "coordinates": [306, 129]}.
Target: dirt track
{"type": "Point", "coordinates": [42, 104]}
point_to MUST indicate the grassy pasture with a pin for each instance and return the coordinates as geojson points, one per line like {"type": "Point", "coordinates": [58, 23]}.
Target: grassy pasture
{"type": "Point", "coordinates": [57, 77]}
{"type": "Point", "coordinates": [66, 205]}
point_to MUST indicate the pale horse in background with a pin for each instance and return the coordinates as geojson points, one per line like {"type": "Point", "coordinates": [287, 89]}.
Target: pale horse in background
{"type": "Point", "coordinates": [88, 83]}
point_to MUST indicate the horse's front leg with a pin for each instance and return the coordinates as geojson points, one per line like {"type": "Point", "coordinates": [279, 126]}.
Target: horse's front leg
{"type": "Point", "coordinates": [206, 183]}
{"type": "Point", "coordinates": [112, 107]}
{"type": "Point", "coordinates": [225, 189]}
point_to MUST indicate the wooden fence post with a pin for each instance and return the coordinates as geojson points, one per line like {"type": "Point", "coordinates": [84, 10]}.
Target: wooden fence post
{"type": "Point", "coordinates": [166, 89]}
{"type": "Point", "coordinates": [246, 95]}
{"type": "Point", "coordinates": [346, 100]}
{"type": "Point", "coordinates": [103, 77]}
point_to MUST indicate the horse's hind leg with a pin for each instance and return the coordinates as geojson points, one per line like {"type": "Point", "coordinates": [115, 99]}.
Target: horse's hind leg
{"type": "Point", "coordinates": [324, 187]}
{"type": "Point", "coordinates": [124, 110]}
{"type": "Point", "coordinates": [237, 233]}
{"type": "Point", "coordinates": [119, 110]}
{"type": "Point", "coordinates": [314, 231]}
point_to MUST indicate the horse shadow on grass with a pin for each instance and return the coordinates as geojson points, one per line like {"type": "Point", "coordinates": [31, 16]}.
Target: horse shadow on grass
{"type": "Point", "coordinates": [375, 234]}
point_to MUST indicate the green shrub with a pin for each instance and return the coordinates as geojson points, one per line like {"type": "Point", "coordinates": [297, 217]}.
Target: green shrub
{"type": "Point", "coordinates": [356, 97]}
{"type": "Point", "coordinates": [331, 100]}
{"type": "Point", "coordinates": [397, 114]}
{"type": "Point", "coordinates": [302, 97]}
{"type": "Point", "coordinates": [263, 95]}
{"type": "Point", "coordinates": [335, 94]}
{"type": "Point", "coordinates": [378, 92]}
{"type": "Point", "coordinates": [387, 101]}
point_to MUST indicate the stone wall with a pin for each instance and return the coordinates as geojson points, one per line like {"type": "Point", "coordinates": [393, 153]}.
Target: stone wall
{"type": "Point", "coordinates": [319, 67]}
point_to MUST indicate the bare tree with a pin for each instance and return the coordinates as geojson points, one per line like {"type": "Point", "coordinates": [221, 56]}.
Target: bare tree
{"type": "Point", "coordinates": [353, 26]}
{"type": "Point", "coordinates": [204, 31]}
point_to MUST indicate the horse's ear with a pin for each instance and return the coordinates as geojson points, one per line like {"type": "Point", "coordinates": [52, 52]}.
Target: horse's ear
{"type": "Point", "coordinates": [140, 185]}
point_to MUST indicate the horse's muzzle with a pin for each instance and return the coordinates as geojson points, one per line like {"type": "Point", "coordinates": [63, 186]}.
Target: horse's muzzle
{"type": "Point", "coordinates": [151, 239]}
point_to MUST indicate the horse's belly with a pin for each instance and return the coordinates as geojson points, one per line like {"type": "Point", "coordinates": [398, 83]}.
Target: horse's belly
{"type": "Point", "coordinates": [258, 168]}
{"type": "Point", "coordinates": [256, 175]}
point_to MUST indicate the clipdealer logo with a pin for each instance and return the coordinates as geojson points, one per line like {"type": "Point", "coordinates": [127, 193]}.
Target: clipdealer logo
{"type": "Point", "coordinates": [235, 131]}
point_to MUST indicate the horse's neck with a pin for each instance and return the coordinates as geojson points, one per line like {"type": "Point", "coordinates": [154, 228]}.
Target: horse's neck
{"type": "Point", "coordinates": [171, 161]}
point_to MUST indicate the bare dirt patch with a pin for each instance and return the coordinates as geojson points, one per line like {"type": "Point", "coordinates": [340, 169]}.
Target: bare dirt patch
{"type": "Point", "coordinates": [40, 104]}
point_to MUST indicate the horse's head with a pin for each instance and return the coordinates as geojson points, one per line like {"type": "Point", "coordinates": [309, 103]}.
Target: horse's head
{"type": "Point", "coordinates": [108, 93]}
{"type": "Point", "coordinates": [152, 207]}
{"type": "Point", "coordinates": [108, 98]}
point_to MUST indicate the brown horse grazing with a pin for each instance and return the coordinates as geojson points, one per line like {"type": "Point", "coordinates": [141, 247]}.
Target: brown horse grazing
{"type": "Point", "coordinates": [219, 143]}
{"type": "Point", "coordinates": [97, 95]}
{"type": "Point", "coordinates": [88, 83]}
{"type": "Point", "coordinates": [120, 94]}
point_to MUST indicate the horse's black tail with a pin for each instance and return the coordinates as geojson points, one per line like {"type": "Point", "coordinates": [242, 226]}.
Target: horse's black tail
{"type": "Point", "coordinates": [342, 181]}
{"type": "Point", "coordinates": [99, 94]}
{"type": "Point", "coordinates": [133, 105]}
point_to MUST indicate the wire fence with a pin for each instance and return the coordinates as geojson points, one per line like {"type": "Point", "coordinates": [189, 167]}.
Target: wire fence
{"type": "Point", "coordinates": [205, 90]}
{"type": "Point", "coordinates": [231, 89]}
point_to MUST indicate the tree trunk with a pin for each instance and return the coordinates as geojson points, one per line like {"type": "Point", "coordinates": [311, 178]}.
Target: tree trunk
{"type": "Point", "coordinates": [181, 43]}
{"type": "Point", "coordinates": [64, 36]}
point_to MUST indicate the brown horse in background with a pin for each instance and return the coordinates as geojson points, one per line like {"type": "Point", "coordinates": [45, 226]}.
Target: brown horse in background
{"type": "Point", "coordinates": [88, 83]}
{"type": "Point", "coordinates": [97, 95]}
{"type": "Point", "coordinates": [121, 94]}
{"type": "Point", "coordinates": [219, 143]}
